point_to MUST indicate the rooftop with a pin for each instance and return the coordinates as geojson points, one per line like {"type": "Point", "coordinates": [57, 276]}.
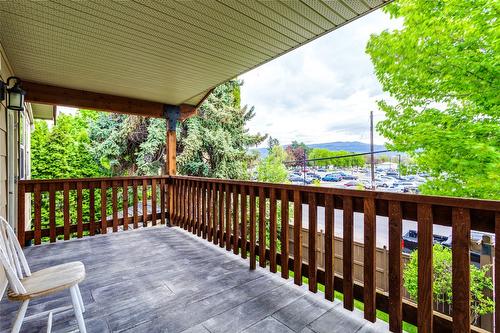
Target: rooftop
{"type": "Point", "coordinates": [163, 279]}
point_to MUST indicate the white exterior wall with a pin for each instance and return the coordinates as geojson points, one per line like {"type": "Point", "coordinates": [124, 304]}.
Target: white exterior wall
{"type": "Point", "coordinates": [9, 157]}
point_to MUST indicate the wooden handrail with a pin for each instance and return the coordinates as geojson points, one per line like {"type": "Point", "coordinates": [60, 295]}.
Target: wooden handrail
{"type": "Point", "coordinates": [235, 214]}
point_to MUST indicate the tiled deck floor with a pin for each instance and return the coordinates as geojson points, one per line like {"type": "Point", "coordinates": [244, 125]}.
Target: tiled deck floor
{"type": "Point", "coordinates": [165, 280]}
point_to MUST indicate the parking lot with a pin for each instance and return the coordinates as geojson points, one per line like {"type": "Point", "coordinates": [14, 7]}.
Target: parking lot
{"type": "Point", "coordinates": [358, 178]}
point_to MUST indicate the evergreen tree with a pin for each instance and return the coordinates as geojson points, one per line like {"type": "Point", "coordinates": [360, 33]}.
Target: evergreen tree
{"type": "Point", "coordinates": [215, 142]}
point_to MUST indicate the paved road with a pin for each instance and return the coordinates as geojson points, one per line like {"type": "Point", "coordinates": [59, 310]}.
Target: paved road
{"type": "Point", "coordinates": [382, 225]}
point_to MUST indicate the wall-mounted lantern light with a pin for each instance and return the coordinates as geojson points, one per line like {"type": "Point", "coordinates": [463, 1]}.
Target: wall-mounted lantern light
{"type": "Point", "coordinates": [15, 95]}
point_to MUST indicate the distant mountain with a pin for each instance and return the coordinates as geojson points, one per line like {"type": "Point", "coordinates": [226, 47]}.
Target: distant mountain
{"type": "Point", "coordinates": [350, 146]}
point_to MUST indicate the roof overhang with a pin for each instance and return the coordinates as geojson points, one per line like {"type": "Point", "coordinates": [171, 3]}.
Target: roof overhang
{"type": "Point", "coordinates": [165, 52]}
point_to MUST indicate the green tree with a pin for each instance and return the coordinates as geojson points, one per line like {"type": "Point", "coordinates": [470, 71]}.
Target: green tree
{"type": "Point", "coordinates": [63, 151]}
{"type": "Point", "coordinates": [272, 168]}
{"type": "Point", "coordinates": [215, 142]}
{"type": "Point", "coordinates": [442, 285]}
{"type": "Point", "coordinates": [296, 152]}
{"type": "Point", "coordinates": [442, 71]}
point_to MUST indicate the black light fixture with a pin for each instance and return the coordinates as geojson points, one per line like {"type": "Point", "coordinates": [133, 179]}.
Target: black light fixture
{"type": "Point", "coordinates": [15, 95]}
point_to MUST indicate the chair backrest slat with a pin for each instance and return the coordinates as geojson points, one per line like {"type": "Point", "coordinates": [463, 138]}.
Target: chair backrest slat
{"type": "Point", "coordinates": [12, 257]}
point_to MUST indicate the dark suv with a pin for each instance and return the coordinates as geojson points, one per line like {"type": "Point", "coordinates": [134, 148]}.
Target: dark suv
{"type": "Point", "coordinates": [410, 244]}
{"type": "Point", "coordinates": [410, 240]}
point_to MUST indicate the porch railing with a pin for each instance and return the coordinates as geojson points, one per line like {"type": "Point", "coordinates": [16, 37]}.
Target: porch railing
{"type": "Point", "coordinates": [62, 208]}
{"type": "Point", "coordinates": [241, 216]}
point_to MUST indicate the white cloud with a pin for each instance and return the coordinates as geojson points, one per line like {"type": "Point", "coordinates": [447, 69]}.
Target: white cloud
{"type": "Point", "coordinates": [321, 92]}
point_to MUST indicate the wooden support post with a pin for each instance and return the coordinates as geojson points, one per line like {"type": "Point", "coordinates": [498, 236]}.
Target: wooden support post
{"type": "Point", "coordinates": [170, 163]}
{"type": "Point", "coordinates": [172, 114]}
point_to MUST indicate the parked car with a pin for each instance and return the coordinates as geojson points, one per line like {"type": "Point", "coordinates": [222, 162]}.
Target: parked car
{"type": "Point", "coordinates": [332, 177]}
{"type": "Point", "coordinates": [321, 170]}
{"type": "Point", "coordinates": [347, 176]}
{"type": "Point", "coordinates": [299, 179]}
{"type": "Point", "coordinates": [405, 186]}
{"type": "Point", "coordinates": [410, 240]}
{"type": "Point", "coordinates": [392, 173]}
{"type": "Point", "coordinates": [410, 243]}
{"type": "Point", "coordinates": [353, 184]}
{"type": "Point", "coordinates": [313, 175]}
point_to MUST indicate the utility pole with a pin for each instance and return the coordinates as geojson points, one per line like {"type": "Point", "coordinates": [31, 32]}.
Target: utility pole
{"type": "Point", "coordinates": [399, 165]}
{"type": "Point", "coordinates": [372, 158]}
{"type": "Point", "coordinates": [304, 168]}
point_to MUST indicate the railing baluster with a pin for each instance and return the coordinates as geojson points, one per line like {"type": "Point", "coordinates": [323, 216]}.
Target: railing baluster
{"type": "Point", "coordinates": [91, 209]}
{"type": "Point", "coordinates": [114, 204]}
{"type": "Point", "coordinates": [190, 206]}
{"type": "Point", "coordinates": [185, 217]}
{"type": "Point", "coordinates": [153, 201]}
{"type": "Point", "coordinates": [369, 266]}
{"type": "Point", "coordinates": [285, 251]}
{"type": "Point", "coordinates": [395, 262]}
{"type": "Point", "coordinates": [204, 224]}
{"type": "Point", "coordinates": [209, 212]}
{"type": "Point", "coordinates": [38, 215]}
{"type": "Point", "coordinates": [235, 220]}
{"type": "Point", "coordinates": [497, 272]}
{"type": "Point", "coordinates": [228, 217]}
{"type": "Point", "coordinates": [347, 253]}
{"type": "Point", "coordinates": [144, 203]}
{"type": "Point", "coordinates": [125, 204]}
{"type": "Point", "coordinates": [297, 238]}
{"type": "Point", "coordinates": [200, 209]}
{"type": "Point", "coordinates": [183, 204]}
{"type": "Point", "coordinates": [424, 224]}
{"type": "Point", "coordinates": [104, 222]}
{"type": "Point", "coordinates": [164, 202]}
{"type": "Point", "coordinates": [272, 231]}
{"type": "Point", "coordinates": [135, 200]}
{"type": "Point", "coordinates": [253, 219]}
{"type": "Point", "coordinates": [194, 207]}
{"type": "Point", "coordinates": [52, 212]}
{"type": "Point", "coordinates": [461, 269]}
{"type": "Point", "coordinates": [312, 232]}
{"type": "Point", "coordinates": [180, 198]}
{"type": "Point", "coordinates": [221, 216]}
{"type": "Point", "coordinates": [67, 222]}
{"type": "Point", "coordinates": [214, 213]}
{"type": "Point", "coordinates": [79, 210]}
{"type": "Point", "coordinates": [244, 220]}
{"type": "Point", "coordinates": [262, 227]}
{"type": "Point", "coordinates": [329, 247]}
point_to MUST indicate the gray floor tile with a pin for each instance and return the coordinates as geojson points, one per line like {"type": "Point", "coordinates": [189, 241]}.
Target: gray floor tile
{"type": "Point", "coordinates": [269, 325]}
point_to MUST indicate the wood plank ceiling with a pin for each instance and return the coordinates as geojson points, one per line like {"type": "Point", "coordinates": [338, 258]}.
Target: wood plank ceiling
{"type": "Point", "coordinates": [171, 52]}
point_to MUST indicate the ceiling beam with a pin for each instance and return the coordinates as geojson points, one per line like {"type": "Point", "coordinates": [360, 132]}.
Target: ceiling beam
{"type": "Point", "coordinates": [53, 95]}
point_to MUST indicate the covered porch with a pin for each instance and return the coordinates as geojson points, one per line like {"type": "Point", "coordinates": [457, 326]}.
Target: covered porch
{"type": "Point", "coordinates": [162, 59]}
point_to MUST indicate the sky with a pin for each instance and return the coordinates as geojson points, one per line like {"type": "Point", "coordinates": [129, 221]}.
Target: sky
{"type": "Point", "coordinates": [320, 92]}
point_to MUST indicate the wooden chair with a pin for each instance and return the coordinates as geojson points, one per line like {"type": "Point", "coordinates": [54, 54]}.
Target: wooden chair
{"type": "Point", "coordinates": [24, 285]}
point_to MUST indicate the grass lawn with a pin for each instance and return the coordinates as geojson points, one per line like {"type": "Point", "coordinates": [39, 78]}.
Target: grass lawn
{"type": "Point", "coordinates": [360, 306]}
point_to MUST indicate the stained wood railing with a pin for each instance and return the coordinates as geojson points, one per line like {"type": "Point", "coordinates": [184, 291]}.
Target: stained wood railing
{"type": "Point", "coordinates": [235, 214]}
{"type": "Point", "coordinates": [58, 210]}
